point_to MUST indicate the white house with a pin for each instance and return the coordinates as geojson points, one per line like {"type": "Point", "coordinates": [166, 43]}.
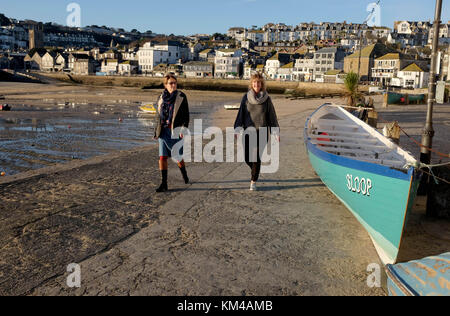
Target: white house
{"type": "Point", "coordinates": [274, 63]}
{"type": "Point", "coordinates": [232, 52]}
{"type": "Point", "coordinates": [128, 68]}
{"type": "Point", "coordinates": [228, 63]}
{"type": "Point", "coordinates": [174, 49]}
{"type": "Point", "coordinates": [227, 67]}
{"type": "Point", "coordinates": [250, 70]}
{"type": "Point", "coordinates": [413, 76]}
{"type": "Point", "coordinates": [60, 62]}
{"type": "Point", "coordinates": [285, 72]}
{"type": "Point", "coordinates": [198, 69]}
{"type": "Point", "coordinates": [48, 62]}
{"type": "Point", "coordinates": [110, 66]}
{"type": "Point", "coordinates": [149, 57]}
{"type": "Point", "coordinates": [403, 27]}
{"type": "Point", "coordinates": [444, 33]}
{"type": "Point", "coordinates": [257, 36]}
{"type": "Point", "coordinates": [207, 55]}
{"type": "Point", "coordinates": [326, 59]}
{"type": "Point", "coordinates": [304, 68]}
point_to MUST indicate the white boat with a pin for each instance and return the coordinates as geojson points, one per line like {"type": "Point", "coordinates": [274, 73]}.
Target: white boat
{"type": "Point", "coordinates": [372, 176]}
{"type": "Point", "coordinates": [232, 106]}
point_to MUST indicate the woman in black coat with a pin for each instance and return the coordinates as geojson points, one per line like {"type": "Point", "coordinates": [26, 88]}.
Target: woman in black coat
{"type": "Point", "coordinates": [256, 111]}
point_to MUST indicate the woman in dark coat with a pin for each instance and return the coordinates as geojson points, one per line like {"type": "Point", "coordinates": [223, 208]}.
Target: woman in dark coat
{"type": "Point", "coordinates": [173, 112]}
{"type": "Point", "coordinates": [256, 111]}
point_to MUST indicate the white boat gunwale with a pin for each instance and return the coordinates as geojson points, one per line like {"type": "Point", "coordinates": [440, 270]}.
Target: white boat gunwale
{"type": "Point", "coordinates": [354, 162]}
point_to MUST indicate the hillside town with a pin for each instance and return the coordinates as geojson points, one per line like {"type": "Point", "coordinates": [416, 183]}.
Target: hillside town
{"type": "Point", "coordinates": [309, 52]}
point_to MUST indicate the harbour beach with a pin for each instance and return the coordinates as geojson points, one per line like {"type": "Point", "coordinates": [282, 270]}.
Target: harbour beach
{"type": "Point", "coordinates": [212, 237]}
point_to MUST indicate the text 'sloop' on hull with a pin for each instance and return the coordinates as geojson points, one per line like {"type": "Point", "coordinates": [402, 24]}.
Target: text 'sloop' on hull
{"type": "Point", "coordinates": [366, 172]}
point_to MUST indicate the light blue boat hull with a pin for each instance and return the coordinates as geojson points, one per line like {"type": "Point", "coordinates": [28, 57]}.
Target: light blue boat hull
{"type": "Point", "coordinates": [426, 277]}
{"type": "Point", "coordinates": [378, 196]}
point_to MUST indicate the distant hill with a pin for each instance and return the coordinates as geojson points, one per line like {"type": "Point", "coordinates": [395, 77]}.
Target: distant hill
{"type": "Point", "coordinates": [4, 21]}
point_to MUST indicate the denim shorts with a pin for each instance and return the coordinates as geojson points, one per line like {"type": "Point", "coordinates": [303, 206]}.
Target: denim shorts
{"type": "Point", "coordinates": [167, 144]}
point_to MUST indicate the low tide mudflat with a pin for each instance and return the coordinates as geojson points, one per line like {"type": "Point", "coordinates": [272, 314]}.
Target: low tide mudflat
{"type": "Point", "coordinates": [212, 237]}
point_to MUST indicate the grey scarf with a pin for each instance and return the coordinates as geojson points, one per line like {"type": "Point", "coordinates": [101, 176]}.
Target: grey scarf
{"type": "Point", "coordinates": [260, 98]}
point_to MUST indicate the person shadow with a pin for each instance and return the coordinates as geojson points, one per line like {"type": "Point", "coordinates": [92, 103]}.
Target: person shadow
{"type": "Point", "coordinates": [274, 185]}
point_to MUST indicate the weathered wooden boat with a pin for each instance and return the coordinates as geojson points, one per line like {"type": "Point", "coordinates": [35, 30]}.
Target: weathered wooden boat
{"type": "Point", "coordinates": [373, 177]}
{"type": "Point", "coordinates": [426, 277]}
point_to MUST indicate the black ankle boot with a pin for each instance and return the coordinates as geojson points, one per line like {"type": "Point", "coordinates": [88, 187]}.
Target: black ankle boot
{"type": "Point", "coordinates": [163, 187]}
{"type": "Point", "coordinates": [185, 176]}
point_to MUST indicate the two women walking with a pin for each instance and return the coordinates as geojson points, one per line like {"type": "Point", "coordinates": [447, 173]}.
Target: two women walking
{"type": "Point", "coordinates": [256, 112]}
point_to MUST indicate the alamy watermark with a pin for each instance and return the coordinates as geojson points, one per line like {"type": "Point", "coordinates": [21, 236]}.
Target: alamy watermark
{"type": "Point", "coordinates": [374, 279]}
{"type": "Point", "coordinates": [262, 143]}
{"type": "Point", "coordinates": [74, 18]}
{"type": "Point", "coordinates": [74, 278]}
{"type": "Point", "coordinates": [374, 18]}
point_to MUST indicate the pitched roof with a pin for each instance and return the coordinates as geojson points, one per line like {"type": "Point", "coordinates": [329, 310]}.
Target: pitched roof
{"type": "Point", "coordinates": [365, 52]}
{"type": "Point", "coordinates": [333, 72]}
{"type": "Point", "coordinates": [290, 65]}
{"type": "Point", "coordinates": [413, 68]}
{"type": "Point", "coordinates": [228, 50]}
{"type": "Point", "coordinates": [206, 51]}
{"type": "Point", "coordinates": [198, 63]}
{"type": "Point", "coordinates": [390, 56]}
{"type": "Point", "coordinates": [327, 50]}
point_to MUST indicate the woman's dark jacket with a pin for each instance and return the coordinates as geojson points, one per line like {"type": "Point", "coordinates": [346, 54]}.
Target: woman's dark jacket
{"type": "Point", "coordinates": [180, 113]}
{"type": "Point", "coordinates": [256, 113]}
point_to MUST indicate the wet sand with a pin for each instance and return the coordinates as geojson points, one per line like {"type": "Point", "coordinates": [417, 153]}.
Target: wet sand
{"type": "Point", "coordinates": [59, 123]}
{"type": "Point", "coordinates": [212, 237]}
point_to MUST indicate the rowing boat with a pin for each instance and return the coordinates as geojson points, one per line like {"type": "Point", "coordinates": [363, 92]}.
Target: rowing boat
{"type": "Point", "coordinates": [148, 108]}
{"type": "Point", "coordinates": [232, 106]}
{"type": "Point", "coordinates": [424, 277]}
{"type": "Point", "coordinates": [373, 177]}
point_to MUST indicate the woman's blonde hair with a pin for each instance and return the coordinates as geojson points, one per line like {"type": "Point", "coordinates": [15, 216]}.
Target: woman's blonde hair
{"type": "Point", "coordinates": [258, 77]}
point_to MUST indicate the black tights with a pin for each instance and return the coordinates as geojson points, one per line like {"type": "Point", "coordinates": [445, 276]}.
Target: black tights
{"type": "Point", "coordinates": [255, 166]}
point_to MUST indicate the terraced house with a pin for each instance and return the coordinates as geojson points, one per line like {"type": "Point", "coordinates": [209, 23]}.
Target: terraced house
{"type": "Point", "coordinates": [228, 63]}
{"type": "Point", "coordinates": [198, 69]}
{"type": "Point", "coordinates": [388, 66]}
{"type": "Point", "coordinates": [367, 61]}
{"type": "Point", "coordinates": [325, 59]}
{"type": "Point", "coordinates": [274, 63]}
{"type": "Point", "coordinates": [412, 76]}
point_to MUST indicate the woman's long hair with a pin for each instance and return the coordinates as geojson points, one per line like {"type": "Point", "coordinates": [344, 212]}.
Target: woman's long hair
{"type": "Point", "coordinates": [258, 77]}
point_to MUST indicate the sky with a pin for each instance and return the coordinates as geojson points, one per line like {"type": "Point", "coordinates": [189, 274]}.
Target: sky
{"type": "Point", "coordinates": [181, 17]}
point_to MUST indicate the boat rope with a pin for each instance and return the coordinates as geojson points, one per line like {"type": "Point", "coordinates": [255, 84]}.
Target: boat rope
{"type": "Point", "coordinates": [421, 166]}
{"type": "Point", "coordinates": [415, 141]}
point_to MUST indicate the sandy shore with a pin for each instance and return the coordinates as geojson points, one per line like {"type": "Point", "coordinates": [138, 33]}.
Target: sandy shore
{"type": "Point", "coordinates": [212, 237]}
